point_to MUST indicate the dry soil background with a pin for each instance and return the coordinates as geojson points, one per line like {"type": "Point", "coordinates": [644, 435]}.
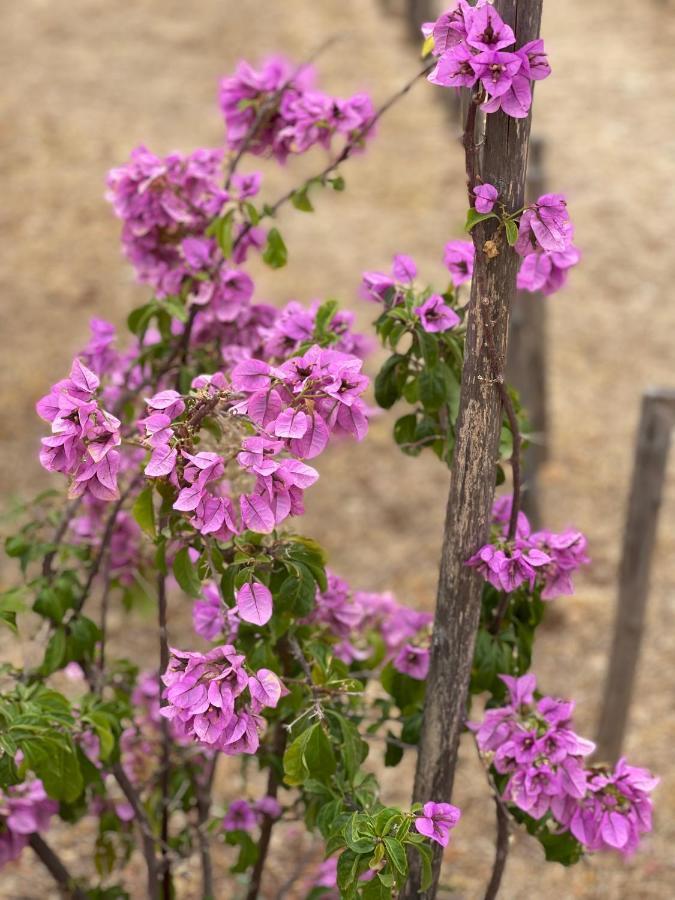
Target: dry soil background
{"type": "Point", "coordinates": [85, 81]}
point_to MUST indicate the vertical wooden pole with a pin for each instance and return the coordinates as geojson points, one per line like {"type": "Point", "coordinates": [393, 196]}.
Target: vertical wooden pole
{"type": "Point", "coordinates": [526, 367]}
{"type": "Point", "coordinates": [651, 454]}
{"type": "Point", "coordinates": [472, 484]}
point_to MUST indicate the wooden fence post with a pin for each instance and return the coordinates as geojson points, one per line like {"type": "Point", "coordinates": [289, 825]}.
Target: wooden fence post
{"type": "Point", "coordinates": [526, 365]}
{"type": "Point", "coordinates": [651, 454]}
{"type": "Point", "coordinates": [472, 484]}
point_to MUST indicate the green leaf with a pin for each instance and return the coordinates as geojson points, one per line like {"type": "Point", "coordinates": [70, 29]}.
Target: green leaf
{"type": "Point", "coordinates": [54, 761]}
{"type": "Point", "coordinates": [433, 388]}
{"type": "Point", "coordinates": [309, 755]}
{"type": "Point", "coordinates": [427, 874]}
{"type": "Point", "coordinates": [143, 511]}
{"type": "Point", "coordinates": [275, 253]}
{"type": "Point", "coordinates": [404, 433]}
{"type": "Point", "coordinates": [376, 890]}
{"type": "Point", "coordinates": [355, 839]}
{"type": "Point", "coordinates": [301, 201]}
{"type": "Point", "coordinates": [393, 753]}
{"type": "Point", "coordinates": [176, 307]}
{"type": "Point", "coordinates": [347, 872]}
{"type": "Point", "coordinates": [561, 848]}
{"type": "Point", "coordinates": [82, 637]}
{"type": "Point", "coordinates": [353, 749]}
{"type": "Point", "coordinates": [8, 619]}
{"type": "Point", "coordinates": [324, 316]}
{"type": "Point", "coordinates": [473, 218]}
{"type": "Point", "coordinates": [390, 380]}
{"type": "Point", "coordinates": [222, 231]}
{"type": "Point", "coordinates": [319, 757]}
{"type": "Point", "coordinates": [396, 855]}
{"type": "Point", "coordinates": [186, 574]}
{"type": "Point", "coordinates": [511, 232]}
{"type": "Point", "coordinates": [428, 345]}
{"type": "Point", "coordinates": [55, 654]}
{"type": "Point", "coordinates": [139, 319]}
{"type": "Point", "coordinates": [337, 183]}
{"type": "Point", "coordinates": [297, 593]}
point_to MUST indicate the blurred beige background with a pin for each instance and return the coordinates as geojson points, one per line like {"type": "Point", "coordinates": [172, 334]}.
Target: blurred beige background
{"type": "Point", "coordinates": [85, 81]}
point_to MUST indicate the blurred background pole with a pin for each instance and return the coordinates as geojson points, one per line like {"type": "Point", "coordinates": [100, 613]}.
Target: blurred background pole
{"type": "Point", "coordinates": [651, 455]}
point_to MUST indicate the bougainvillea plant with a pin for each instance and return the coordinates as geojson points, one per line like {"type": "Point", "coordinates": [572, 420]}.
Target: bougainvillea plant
{"type": "Point", "coordinates": [186, 452]}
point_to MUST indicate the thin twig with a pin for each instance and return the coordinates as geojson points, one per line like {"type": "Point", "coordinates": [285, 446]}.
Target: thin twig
{"type": "Point", "coordinates": [470, 146]}
{"type": "Point", "coordinates": [346, 151]}
{"type": "Point", "coordinates": [165, 764]}
{"type": "Point", "coordinates": [203, 795]}
{"type": "Point", "coordinates": [48, 560]}
{"type": "Point", "coordinates": [268, 106]}
{"type": "Point", "coordinates": [105, 598]}
{"type": "Point", "coordinates": [105, 540]}
{"type": "Point", "coordinates": [56, 868]}
{"type": "Point", "coordinates": [501, 851]}
{"type": "Point", "coordinates": [141, 819]}
{"type": "Point", "coordinates": [273, 781]}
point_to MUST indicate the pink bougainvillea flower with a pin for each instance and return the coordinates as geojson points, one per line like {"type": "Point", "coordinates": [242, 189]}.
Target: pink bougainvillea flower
{"type": "Point", "coordinates": [254, 603]}
{"type": "Point", "coordinates": [435, 315]}
{"type": "Point", "coordinates": [486, 195]}
{"type": "Point", "coordinates": [404, 268]}
{"type": "Point", "coordinates": [458, 257]}
{"type": "Point", "coordinates": [437, 821]}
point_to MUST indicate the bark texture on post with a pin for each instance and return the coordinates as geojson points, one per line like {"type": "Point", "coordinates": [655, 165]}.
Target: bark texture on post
{"type": "Point", "coordinates": [651, 455]}
{"type": "Point", "coordinates": [526, 364]}
{"type": "Point", "coordinates": [472, 486]}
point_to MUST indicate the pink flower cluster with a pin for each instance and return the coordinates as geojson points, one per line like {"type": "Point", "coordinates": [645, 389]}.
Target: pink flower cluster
{"type": "Point", "coordinates": [84, 436]}
{"type": "Point", "coordinates": [24, 810]}
{"type": "Point", "coordinates": [532, 742]}
{"type": "Point", "coordinates": [244, 816]}
{"type": "Point", "coordinates": [434, 313]}
{"type": "Point", "coordinates": [470, 43]}
{"type": "Point", "coordinates": [349, 616]}
{"type": "Point", "coordinates": [163, 202]}
{"type": "Point", "coordinates": [212, 699]}
{"type": "Point", "coordinates": [294, 325]}
{"type": "Point", "coordinates": [541, 560]}
{"type": "Point", "coordinates": [294, 407]}
{"type": "Point", "coordinates": [545, 242]}
{"type": "Point", "coordinates": [295, 115]}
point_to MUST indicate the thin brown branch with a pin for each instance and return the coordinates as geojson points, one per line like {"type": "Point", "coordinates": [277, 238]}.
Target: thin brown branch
{"type": "Point", "coordinates": [105, 602]}
{"type": "Point", "coordinates": [141, 819]}
{"type": "Point", "coordinates": [273, 782]}
{"type": "Point", "coordinates": [501, 851]}
{"type": "Point", "coordinates": [56, 868]}
{"type": "Point", "coordinates": [203, 795]}
{"type": "Point", "coordinates": [165, 762]}
{"type": "Point", "coordinates": [346, 151]}
{"type": "Point", "coordinates": [268, 108]}
{"type": "Point", "coordinates": [105, 541]}
{"type": "Point", "coordinates": [59, 534]}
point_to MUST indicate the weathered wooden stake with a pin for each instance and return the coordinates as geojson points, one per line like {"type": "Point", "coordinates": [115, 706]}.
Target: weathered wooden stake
{"type": "Point", "coordinates": [651, 454]}
{"type": "Point", "coordinates": [472, 485]}
{"type": "Point", "coordinates": [527, 360]}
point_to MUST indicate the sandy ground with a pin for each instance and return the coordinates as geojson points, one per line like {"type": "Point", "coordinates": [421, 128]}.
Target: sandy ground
{"type": "Point", "coordinates": [86, 81]}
